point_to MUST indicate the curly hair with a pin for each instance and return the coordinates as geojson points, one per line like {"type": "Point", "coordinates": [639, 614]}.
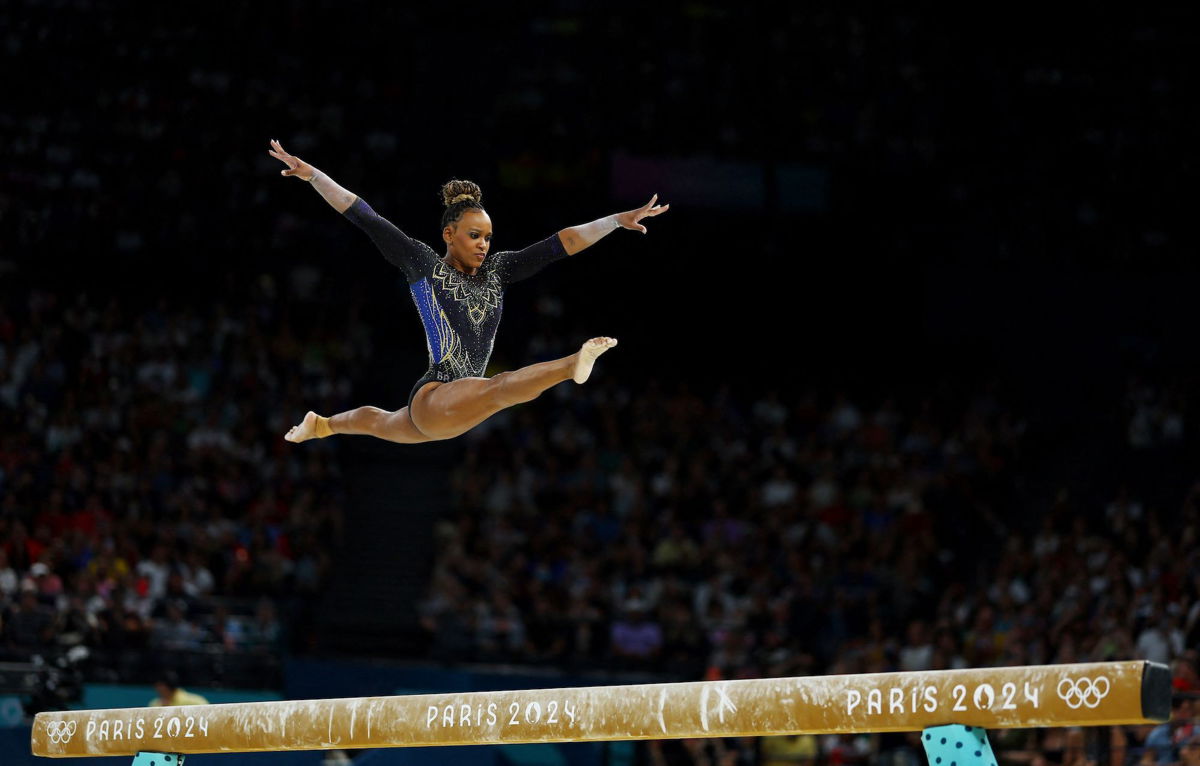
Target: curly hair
{"type": "Point", "coordinates": [459, 197]}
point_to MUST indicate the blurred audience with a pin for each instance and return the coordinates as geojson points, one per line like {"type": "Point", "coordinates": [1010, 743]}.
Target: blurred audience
{"type": "Point", "coordinates": [148, 503]}
{"type": "Point", "coordinates": [145, 497]}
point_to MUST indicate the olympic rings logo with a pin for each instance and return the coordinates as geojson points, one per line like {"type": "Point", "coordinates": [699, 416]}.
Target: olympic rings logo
{"type": "Point", "coordinates": [60, 732]}
{"type": "Point", "coordinates": [1083, 692]}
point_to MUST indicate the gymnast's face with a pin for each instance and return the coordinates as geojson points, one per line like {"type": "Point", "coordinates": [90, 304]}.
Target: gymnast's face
{"type": "Point", "coordinates": [468, 241]}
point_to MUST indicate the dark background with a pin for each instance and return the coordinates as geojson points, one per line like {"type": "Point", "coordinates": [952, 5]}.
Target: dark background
{"type": "Point", "coordinates": [1005, 190]}
{"type": "Point", "coordinates": [983, 214]}
{"type": "Point", "coordinates": [868, 201]}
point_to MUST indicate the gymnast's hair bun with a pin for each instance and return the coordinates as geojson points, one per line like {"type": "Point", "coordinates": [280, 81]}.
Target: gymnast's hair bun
{"type": "Point", "coordinates": [461, 191]}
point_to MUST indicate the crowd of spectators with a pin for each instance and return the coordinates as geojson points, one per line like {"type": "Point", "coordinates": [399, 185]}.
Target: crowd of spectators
{"type": "Point", "coordinates": [702, 534]}
{"type": "Point", "coordinates": [146, 497]}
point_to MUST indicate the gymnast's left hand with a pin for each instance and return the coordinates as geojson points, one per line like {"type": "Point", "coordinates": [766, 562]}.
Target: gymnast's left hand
{"type": "Point", "coordinates": [630, 219]}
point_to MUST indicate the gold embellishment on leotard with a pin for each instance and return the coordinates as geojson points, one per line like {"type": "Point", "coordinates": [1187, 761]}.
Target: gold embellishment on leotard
{"type": "Point", "coordinates": [448, 340]}
{"type": "Point", "coordinates": [450, 351]}
{"type": "Point", "coordinates": [457, 364]}
{"type": "Point", "coordinates": [480, 295]}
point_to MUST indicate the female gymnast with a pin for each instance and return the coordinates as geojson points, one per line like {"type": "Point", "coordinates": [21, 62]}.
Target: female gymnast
{"type": "Point", "coordinates": [459, 297]}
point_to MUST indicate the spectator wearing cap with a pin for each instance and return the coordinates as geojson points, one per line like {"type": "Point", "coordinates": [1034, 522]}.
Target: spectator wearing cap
{"type": "Point", "coordinates": [170, 693]}
{"type": "Point", "coordinates": [47, 584]}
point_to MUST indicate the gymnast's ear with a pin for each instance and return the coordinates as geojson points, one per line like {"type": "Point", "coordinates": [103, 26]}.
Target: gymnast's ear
{"type": "Point", "coordinates": [448, 233]}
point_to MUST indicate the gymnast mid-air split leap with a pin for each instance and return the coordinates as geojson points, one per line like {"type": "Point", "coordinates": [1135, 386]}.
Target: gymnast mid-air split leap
{"type": "Point", "coordinates": [459, 297]}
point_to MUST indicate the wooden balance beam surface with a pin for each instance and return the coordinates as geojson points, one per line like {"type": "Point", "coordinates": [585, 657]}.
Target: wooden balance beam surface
{"type": "Point", "coordinates": [1049, 695]}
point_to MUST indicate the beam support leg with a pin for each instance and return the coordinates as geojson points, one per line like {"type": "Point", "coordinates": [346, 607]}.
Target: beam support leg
{"type": "Point", "coordinates": [957, 745]}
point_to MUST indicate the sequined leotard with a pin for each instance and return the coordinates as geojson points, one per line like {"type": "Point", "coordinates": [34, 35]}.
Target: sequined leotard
{"type": "Point", "coordinates": [460, 312]}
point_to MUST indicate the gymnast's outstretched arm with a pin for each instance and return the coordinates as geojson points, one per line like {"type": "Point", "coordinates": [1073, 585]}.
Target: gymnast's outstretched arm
{"type": "Point", "coordinates": [577, 238]}
{"type": "Point", "coordinates": [397, 247]}
{"type": "Point", "coordinates": [339, 198]}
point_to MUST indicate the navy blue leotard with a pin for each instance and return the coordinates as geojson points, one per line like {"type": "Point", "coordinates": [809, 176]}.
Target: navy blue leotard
{"type": "Point", "coordinates": [460, 312]}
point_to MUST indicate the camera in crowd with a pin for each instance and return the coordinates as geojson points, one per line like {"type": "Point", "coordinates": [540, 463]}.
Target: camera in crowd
{"type": "Point", "coordinates": [49, 682]}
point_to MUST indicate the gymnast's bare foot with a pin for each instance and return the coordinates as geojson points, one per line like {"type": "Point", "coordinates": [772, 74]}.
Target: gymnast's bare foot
{"type": "Point", "coordinates": [309, 428]}
{"type": "Point", "coordinates": [587, 357]}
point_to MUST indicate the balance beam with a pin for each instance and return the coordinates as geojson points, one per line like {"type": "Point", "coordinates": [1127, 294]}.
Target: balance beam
{"type": "Point", "coordinates": [1092, 694]}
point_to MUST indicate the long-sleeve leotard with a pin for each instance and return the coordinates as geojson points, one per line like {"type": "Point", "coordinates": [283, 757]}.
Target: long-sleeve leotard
{"type": "Point", "coordinates": [460, 312]}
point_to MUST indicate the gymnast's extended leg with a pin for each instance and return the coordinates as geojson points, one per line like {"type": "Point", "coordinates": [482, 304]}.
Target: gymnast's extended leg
{"type": "Point", "coordinates": [450, 409]}
{"type": "Point", "coordinates": [366, 421]}
{"type": "Point", "coordinates": [446, 410]}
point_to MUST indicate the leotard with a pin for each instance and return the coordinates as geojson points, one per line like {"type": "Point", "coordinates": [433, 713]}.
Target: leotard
{"type": "Point", "coordinates": [460, 312]}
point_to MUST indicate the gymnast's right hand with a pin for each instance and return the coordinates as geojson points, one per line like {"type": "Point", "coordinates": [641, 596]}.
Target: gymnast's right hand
{"type": "Point", "coordinates": [295, 166]}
